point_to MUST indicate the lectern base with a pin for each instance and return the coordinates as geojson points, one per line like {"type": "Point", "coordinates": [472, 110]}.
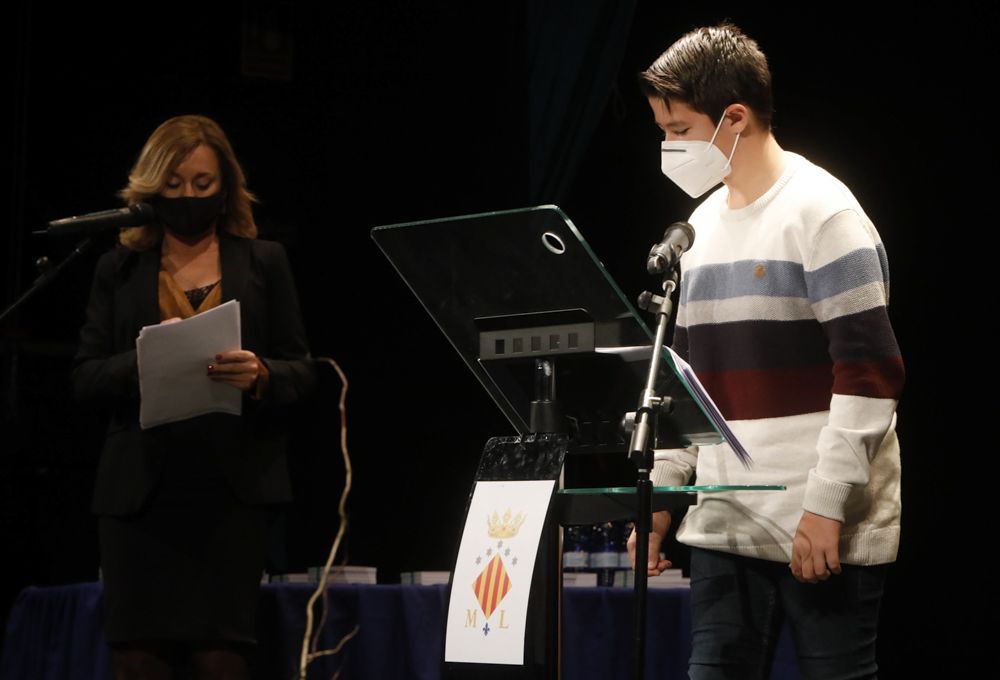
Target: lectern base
{"type": "Point", "coordinates": [513, 459]}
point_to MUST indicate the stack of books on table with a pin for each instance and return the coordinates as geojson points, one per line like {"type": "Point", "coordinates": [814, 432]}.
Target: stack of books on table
{"type": "Point", "coordinates": [579, 579]}
{"type": "Point", "coordinates": [348, 574]}
{"type": "Point", "coordinates": [297, 577]}
{"type": "Point", "coordinates": [338, 574]}
{"type": "Point", "coordinates": [670, 578]}
{"type": "Point", "coordinates": [425, 578]}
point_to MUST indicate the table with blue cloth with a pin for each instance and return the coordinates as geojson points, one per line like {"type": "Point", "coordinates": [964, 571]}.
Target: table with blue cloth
{"type": "Point", "coordinates": [55, 633]}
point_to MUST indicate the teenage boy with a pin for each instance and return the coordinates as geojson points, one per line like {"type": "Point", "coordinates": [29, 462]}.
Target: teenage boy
{"type": "Point", "coordinates": [783, 317]}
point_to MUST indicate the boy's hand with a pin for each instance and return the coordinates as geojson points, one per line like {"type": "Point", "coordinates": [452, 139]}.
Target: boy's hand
{"type": "Point", "coordinates": [655, 566]}
{"type": "Point", "coordinates": [815, 548]}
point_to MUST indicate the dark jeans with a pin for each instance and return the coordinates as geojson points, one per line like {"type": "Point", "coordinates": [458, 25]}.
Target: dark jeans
{"type": "Point", "coordinates": [739, 605]}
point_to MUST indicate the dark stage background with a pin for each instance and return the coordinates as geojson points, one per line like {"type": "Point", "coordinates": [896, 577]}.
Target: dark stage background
{"type": "Point", "coordinates": [355, 115]}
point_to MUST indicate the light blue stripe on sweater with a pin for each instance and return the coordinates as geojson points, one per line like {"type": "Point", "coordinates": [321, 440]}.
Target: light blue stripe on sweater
{"type": "Point", "coordinates": [781, 278]}
{"type": "Point", "coordinates": [778, 278]}
{"type": "Point", "coordinates": [855, 269]}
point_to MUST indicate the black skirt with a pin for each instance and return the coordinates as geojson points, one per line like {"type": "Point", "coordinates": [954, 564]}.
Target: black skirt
{"type": "Point", "coordinates": [187, 568]}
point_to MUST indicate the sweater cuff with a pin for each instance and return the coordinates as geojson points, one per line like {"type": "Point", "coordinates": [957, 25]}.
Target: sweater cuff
{"type": "Point", "coordinates": [825, 497]}
{"type": "Point", "coordinates": [666, 473]}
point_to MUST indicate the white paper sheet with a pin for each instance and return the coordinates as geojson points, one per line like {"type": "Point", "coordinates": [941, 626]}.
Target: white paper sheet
{"type": "Point", "coordinates": [173, 359]}
{"type": "Point", "coordinates": [687, 375]}
{"type": "Point", "coordinates": [701, 395]}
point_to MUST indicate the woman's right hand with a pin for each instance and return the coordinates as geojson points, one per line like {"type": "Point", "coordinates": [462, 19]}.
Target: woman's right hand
{"type": "Point", "coordinates": [655, 566]}
{"type": "Point", "coordinates": [173, 319]}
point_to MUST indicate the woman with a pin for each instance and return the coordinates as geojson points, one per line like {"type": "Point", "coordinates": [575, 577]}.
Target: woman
{"type": "Point", "coordinates": [182, 506]}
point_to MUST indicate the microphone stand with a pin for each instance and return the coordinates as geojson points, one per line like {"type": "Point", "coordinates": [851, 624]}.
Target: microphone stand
{"type": "Point", "coordinates": [48, 272]}
{"type": "Point", "coordinates": [641, 454]}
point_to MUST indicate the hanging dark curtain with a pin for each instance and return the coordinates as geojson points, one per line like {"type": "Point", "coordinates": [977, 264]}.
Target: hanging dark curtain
{"type": "Point", "coordinates": [575, 49]}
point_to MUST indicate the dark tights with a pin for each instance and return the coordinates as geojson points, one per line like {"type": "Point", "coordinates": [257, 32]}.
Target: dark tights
{"type": "Point", "coordinates": [179, 662]}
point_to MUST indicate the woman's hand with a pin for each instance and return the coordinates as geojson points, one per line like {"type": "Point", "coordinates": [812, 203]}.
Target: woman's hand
{"type": "Point", "coordinates": [239, 368]}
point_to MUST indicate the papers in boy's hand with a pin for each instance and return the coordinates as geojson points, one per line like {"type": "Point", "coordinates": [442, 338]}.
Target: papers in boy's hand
{"type": "Point", "coordinates": [173, 360]}
{"type": "Point", "coordinates": [708, 406]}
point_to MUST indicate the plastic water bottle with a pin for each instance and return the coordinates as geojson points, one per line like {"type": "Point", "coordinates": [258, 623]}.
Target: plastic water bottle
{"type": "Point", "coordinates": [576, 549]}
{"type": "Point", "coordinates": [603, 554]}
{"type": "Point", "coordinates": [619, 536]}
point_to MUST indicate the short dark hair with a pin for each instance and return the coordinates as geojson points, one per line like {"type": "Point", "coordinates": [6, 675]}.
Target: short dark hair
{"type": "Point", "coordinates": [710, 68]}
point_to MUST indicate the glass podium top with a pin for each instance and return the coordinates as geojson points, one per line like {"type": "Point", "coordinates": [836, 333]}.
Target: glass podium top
{"type": "Point", "coordinates": [608, 504]}
{"type": "Point", "coordinates": [507, 288]}
{"type": "Point", "coordinates": [708, 488]}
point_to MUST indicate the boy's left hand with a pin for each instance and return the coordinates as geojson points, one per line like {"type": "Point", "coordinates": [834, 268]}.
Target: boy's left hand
{"type": "Point", "coordinates": [815, 548]}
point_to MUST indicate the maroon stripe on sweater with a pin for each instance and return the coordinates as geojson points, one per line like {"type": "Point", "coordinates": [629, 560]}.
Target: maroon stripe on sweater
{"type": "Point", "coordinates": [772, 393]}
{"type": "Point", "coordinates": [777, 392]}
{"type": "Point", "coordinates": [879, 379]}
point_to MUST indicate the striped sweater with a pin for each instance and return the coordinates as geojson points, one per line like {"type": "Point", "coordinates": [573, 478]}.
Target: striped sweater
{"type": "Point", "coordinates": [783, 318]}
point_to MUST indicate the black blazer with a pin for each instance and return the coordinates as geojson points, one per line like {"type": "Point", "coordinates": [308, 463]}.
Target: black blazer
{"type": "Point", "coordinates": [249, 449]}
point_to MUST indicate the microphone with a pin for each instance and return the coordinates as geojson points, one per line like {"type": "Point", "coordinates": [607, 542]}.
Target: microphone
{"type": "Point", "coordinates": [95, 222]}
{"type": "Point", "coordinates": [665, 255]}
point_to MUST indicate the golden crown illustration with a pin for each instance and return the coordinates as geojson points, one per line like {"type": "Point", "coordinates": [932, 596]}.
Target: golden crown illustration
{"type": "Point", "coordinates": [506, 527]}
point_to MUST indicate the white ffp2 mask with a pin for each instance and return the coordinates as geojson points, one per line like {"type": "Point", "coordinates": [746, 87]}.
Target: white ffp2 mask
{"type": "Point", "coordinates": [696, 166]}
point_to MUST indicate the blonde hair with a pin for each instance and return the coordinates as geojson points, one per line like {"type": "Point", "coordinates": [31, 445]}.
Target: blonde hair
{"type": "Point", "coordinates": [168, 146]}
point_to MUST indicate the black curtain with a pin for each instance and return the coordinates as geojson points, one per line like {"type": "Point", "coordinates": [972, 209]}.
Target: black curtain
{"type": "Point", "coordinates": [575, 51]}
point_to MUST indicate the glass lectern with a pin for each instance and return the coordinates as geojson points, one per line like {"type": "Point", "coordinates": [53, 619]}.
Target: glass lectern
{"type": "Point", "coordinates": [564, 354]}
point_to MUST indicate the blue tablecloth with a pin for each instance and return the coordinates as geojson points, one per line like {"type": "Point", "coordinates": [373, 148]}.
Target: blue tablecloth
{"type": "Point", "coordinates": [55, 634]}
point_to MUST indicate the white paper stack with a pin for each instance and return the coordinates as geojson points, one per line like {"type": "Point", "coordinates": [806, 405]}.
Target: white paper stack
{"type": "Point", "coordinates": [173, 359]}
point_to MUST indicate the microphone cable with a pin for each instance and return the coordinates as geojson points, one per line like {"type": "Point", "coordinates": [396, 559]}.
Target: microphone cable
{"type": "Point", "coordinates": [310, 640]}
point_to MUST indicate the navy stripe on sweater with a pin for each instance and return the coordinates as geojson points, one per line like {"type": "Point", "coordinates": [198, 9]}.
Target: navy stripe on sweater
{"type": "Point", "coordinates": [805, 361]}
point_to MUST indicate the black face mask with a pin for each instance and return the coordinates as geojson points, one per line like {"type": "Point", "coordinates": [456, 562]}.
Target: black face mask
{"type": "Point", "coordinates": [187, 215]}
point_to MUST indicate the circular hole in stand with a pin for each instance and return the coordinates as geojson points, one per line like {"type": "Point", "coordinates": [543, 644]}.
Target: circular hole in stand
{"type": "Point", "coordinates": [553, 243]}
